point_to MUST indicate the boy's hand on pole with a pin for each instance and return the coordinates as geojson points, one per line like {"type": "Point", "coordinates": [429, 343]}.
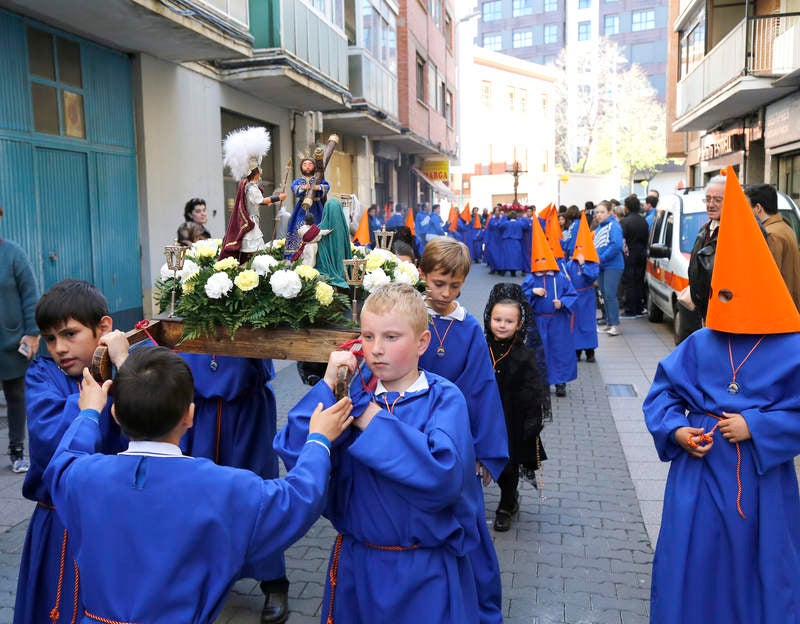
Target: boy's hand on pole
{"type": "Point", "coordinates": [333, 421]}
{"type": "Point", "coordinates": [93, 395]}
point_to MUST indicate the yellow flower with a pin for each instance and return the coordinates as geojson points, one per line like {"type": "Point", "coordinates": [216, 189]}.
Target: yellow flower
{"type": "Point", "coordinates": [324, 293]}
{"type": "Point", "coordinates": [246, 280]}
{"type": "Point", "coordinates": [306, 272]}
{"type": "Point", "coordinates": [374, 261]}
{"type": "Point", "coordinates": [226, 264]}
{"type": "Point", "coordinates": [188, 288]}
{"type": "Point", "coordinates": [278, 244]}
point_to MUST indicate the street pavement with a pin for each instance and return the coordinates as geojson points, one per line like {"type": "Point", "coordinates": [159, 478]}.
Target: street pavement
{"type": "Point", "coordinates": [580, 550]}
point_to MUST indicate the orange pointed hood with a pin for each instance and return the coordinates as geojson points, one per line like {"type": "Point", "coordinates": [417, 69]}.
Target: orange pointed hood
{"type": "Point", "coordinates": [544, 213]}
{"type": "Point", "coordinates": [410, 221]}
{"type": "Point", "coordinates": [465, 214]}
{"type": "Point", "coordinates": [542, 258]}
{"type": "Point", "coordinates": [452, 219]}
{"type": "Point", "coordinates": [362, 233]}
{"type": "Point", "coordinates": [476, 223]}
{"type": "Point", "coordinates": [553, 233]}
{"type": "Point", "coordinates": [584, 242]}
{"type": "Point", "coordinates": [748, 294]}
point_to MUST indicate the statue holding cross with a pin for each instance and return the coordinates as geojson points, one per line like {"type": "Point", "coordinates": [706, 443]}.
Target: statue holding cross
{"type": "Point", "coordinates": [516, 171]}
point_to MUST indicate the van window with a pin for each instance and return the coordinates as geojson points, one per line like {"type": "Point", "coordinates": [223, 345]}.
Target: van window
{"type": "Point", "coordinates": [655, 231]}
{"type": "Point", "coordinates": [791, 218]}
{"type": "Point", "coordinates": [668, 229]}
{"type": "Point", "coordinates": [690, 226]}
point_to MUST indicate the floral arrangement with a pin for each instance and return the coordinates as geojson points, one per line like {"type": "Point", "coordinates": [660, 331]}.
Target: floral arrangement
{"type": "Point", "coordinates": [264, 292]}
{"type": "Point", "coordinates": [383, 267]}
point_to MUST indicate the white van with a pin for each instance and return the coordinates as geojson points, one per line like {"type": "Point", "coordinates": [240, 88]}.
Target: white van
{"type": "Point", "coordinates": [678, 219]}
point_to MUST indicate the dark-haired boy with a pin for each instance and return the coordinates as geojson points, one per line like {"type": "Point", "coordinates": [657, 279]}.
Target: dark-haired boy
{"type": "Point", "coordinates": [73, 319]}
{"type": "Point", "coordinates": [159, 536]}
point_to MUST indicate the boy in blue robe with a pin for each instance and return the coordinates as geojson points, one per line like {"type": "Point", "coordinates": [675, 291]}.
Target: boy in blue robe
{"type": "Point", "coordinates": [493, 239]}
{"type": "Point", "coordinates": [552, 298]}
{"type": "Point", "coordinates": [401, 494]}
{"type": "Point", "coordinates": [73, 318]}
{"type": "Point", "coordinates": [235, 421]}
{"type": "Point", "coordinates": [583, 270]}
{"type": "Point", "coordinates": [724, 410]}
{"type": "Point", "coordinates": [457, 352]}
{"type": "Point", "coordinates": [159, 536]}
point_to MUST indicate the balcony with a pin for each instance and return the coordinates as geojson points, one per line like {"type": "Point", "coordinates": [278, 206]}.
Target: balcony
{"type": "Point", "coordinates": [374, 91]}
{"type": "Point", "coordinates": [738, 76]}
{"type": "Point", "coordinates": [178, 31]}
{"type": "Point", "coordinates": [299, 61]}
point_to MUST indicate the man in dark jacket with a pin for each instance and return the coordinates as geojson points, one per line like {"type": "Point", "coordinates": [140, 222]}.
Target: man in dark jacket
{"type": "Point", "coordinates": [635, 232]}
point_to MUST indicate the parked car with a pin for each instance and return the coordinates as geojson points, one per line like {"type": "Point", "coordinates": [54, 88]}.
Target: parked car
{"type": "Point", "coordinates": [678, 219]}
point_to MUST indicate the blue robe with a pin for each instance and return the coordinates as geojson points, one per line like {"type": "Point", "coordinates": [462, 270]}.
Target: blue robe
{"type": "Point", "coordinates": [710, 563]}
{"type": "Point", "coordinates": [492, 239]}
{"type": "Point", "coordinates": [569, 237]}
{"type": "Point", "coordinates": [584, 321]}
{"type": "Point", "coordinates": [527, 238]}
{"type": "Point", "coordinates": [395, 220]}
{"type": "Point", "coordinates": [163, 538]}
{"type": "Point", "coordinates": [299, 214]}
{"type": "Point", "coordinates": [468, 365]}
{"type": "Point", "coordinates": [235, 422]}
{"type": "Point", "coordinates": [554, 325]}
{"type": "Point", "coordinates": [511, 251]}
{"type": "Point", "coordinates": [404, 482]}
{"type": "Point", "coordinates": [52, 404]}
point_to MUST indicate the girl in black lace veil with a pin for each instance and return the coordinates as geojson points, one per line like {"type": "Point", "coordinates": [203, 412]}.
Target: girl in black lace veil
{"type": "Point", "coordinates": [524, 389]}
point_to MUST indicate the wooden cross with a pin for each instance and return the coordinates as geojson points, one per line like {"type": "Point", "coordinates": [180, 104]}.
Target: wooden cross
{"type": "Point", "coordinates": [516, 171]}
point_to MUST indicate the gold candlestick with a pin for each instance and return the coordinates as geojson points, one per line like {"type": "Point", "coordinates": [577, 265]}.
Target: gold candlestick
{"type": "Point", "coordinates": [176, 254]}
{"type": "Point", "coordinates": [383, 238]}
{"type": "Point", "coordinates": [354, 270]}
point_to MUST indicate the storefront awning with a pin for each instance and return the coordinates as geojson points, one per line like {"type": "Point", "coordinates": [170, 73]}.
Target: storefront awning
{"type": "Point", "coordinates": [440, 188]}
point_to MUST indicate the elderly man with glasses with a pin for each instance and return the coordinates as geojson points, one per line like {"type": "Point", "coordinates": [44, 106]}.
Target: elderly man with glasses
{"type": "Point", "coordinates": [701, 263]}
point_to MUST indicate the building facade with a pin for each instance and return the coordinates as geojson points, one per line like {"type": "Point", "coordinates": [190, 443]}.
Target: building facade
{"type": "Point", "coordinates": [537, 30]}
{"type": "Point", "coordinates": [112, 115]}
{"type": "Point", "coordinates": [735, 94]}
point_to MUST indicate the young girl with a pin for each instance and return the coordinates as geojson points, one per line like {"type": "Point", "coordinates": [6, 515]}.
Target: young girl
{"type": "Point", "coordinates": [524, 390]}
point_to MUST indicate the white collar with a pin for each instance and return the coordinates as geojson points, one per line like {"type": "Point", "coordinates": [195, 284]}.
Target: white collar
{"type": "Point", "coordinates": [458, 314]}
{"type": "Point", "coordinates": [420, 383]}
{"type": "Point", "coordinates": [152, 448]}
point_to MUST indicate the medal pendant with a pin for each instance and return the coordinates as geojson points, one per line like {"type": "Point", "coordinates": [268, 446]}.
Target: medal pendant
{"type": "Point", "coordinates": [733, 388]}
{"type": "Point", "coordinates": [440, 352]}
{"type": "Point", "coordinates": [213, 365]}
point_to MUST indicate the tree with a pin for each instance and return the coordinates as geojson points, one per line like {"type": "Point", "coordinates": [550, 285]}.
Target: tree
{"type": "Point", "coordinates": [608, 118]}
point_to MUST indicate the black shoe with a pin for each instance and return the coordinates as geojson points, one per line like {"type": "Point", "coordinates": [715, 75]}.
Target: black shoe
{"type": "Point", "coordinates": [561, 390]}
{"type": "Point", "coordinates": [513, 273]}
{"type": "Point", "coordinates": [276, 608]}
{"type": "Point", "coordinates": [578, 354]}
{"type": "Point", "coordinates": [590, 355]}
{"type": "Point", "coordinates": [502, 521]}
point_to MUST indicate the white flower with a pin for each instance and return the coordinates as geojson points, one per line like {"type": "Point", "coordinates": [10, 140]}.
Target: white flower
{"type": "Point", "coordinates": [207, 248]}
{"type": "Point", "coordinates": [375, 278]}
{"type": "Point", "coordinates": [263, 264]}
{"type": "Point", "coordinates": [189, 268]}
{"type": "Point", "coordinates": [285, 284]}
{"type": "Point", "coordinates": [406, 273]}
{"type": "Point", "coordinates": [218, 285]}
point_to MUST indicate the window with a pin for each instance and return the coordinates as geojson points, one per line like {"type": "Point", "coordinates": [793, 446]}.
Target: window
{"type": "Point", "coordinates": [435, 11]}
{"type": "Point", "coordinates": [522, 100]}
{"type": "Point", "coordinates": [545, 102]}
{"type": "Point", "coordinates": [433, 90]}
{"type": "Point", "coordinates": [549, 59]}
{"type": "Point", "coordinates": [643, 20]}
{"type": "Point", "coordinates": [522, 39]}
{"type": "Point", "coordinates": [441, 105]}
{"type": "Point", "coordinates": [448, 31]}
{"type": "Point", "coordinates": [237, 9]}
{"type": "Point", "coordinates": [493, 42]}
{"type": "Point", "coordinates": [584, 4]}
{"type": "Point", "coordinates": [584, 31]}
{"type": "Point", "coordinates": [510, 99]}
{"type": "Point", "coordinates": [550, 6]}
{"type": "Point", "coordinates": [521, 7]}
{"type": "Point", "coordinates": [486, 95]}
{"type": "Point", "coordinates": [420, 79]}
{"type": "Point", "coordinates": [56, 84]}
{"type": "Point", "coordinates": [692, 45]}
{"type": "Point", "coordinates": [611, 25]}
{"type": "Point", "coordinates": [448, 108]}
{"type": "Point", "coordinates": [492, 10]}
{"type": "Point", "coordinates": [551, 33]}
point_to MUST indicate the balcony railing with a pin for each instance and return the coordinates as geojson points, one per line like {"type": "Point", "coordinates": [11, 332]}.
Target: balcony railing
{"type": "Point", "coordinates": [761, 46]}
{"type": "Point", "coordinates": [372, 82]}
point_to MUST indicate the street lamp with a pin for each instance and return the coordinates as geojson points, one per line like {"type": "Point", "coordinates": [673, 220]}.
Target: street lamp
{"type": "Point", "coordinates": [564, 177]}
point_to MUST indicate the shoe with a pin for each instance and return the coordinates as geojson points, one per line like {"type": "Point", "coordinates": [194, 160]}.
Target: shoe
{"type": "Point", "coordinates": [578, 354]}
{"type": "Point", "coordinates": [613, 330]}
{"type": "Point", "coordinates": [502, 521]}
{"type": "Point", "coordinates": [276, 608]}
{"type": "Point", "coordinates": [628, 315]}
{"type": "Point", "coordinates": [19, 465]}
{"type": "Point", "coordinates": [601, 322]}
{"type": "Point", "coordinates": [590, 356]}
{"type": "Point", "coordinates": [561, 390]}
